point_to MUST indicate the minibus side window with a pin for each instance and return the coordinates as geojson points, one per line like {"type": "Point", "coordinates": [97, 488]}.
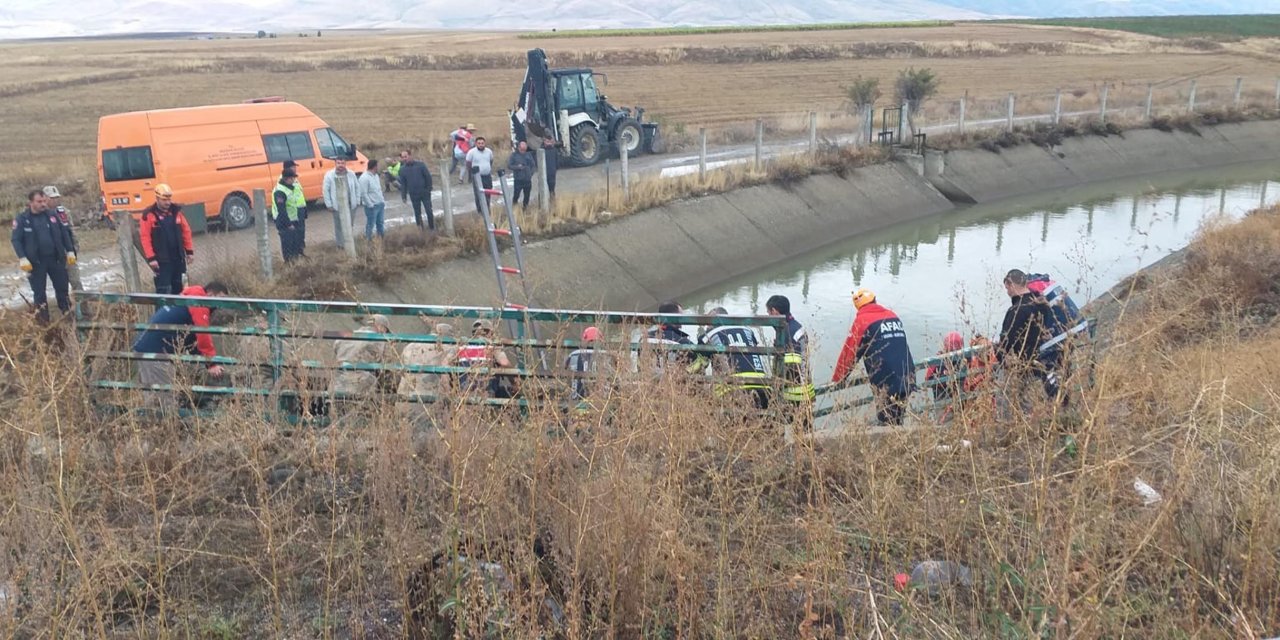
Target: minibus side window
{"type": "Point", "coordinates": [331, 144]}
{"type": "Point", "coordinates": [288, 146]}
{"type": "Point", "coordinates": [132, 163]}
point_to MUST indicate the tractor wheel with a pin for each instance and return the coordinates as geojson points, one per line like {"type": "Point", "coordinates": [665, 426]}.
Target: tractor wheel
{"type": "Point", "coordinates": [628, 135]}
{"type": "Point", "coordinates": [585, 145]}
{"type": "Point", "coordinates": [236, 212]}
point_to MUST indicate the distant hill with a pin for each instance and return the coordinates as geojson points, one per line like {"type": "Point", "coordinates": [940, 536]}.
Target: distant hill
{"type": "Point", "coordinates": [58, 18]}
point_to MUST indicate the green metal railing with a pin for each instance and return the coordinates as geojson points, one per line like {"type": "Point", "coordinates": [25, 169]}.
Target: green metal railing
{"type": "Point", "coordinates": [278, 315]}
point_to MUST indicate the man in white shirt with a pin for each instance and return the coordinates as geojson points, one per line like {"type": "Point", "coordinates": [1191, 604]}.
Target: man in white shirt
{"type": "Point", "coordinates": [371, 198]}
{"type": "Point", "coordinates": [340, 171]}
{"type": "Point", "coordinates": [481, 157]}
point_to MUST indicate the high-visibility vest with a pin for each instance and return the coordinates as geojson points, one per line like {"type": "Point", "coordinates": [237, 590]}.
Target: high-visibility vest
{"type": "Point", "coordinates": [394, 169]}
{"type": "Point", "coordinates": [294, 202]}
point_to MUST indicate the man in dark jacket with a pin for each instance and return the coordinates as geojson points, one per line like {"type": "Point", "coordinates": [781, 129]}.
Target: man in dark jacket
{"type": "Point", "coordinates": [1024, 329]}
{"type": "Point", "coordinates": [166, 241]}
{"type": "Point", "coordinates": [879, 339]}
{"type": "Point", "coordinates": [664, 335]}
{"type": "Point", "coordinates": [522, 164]}
{"type": "Point", "coordinates": [45, 248]}
{"type": "Point", "coordinates": [169, 341]}
{"type": "Point", "coordinates": [289, 212]}
{"type": "Point", "coordinates": [64, 216]}
{"type": "Point", "coordinates": [415, 187]}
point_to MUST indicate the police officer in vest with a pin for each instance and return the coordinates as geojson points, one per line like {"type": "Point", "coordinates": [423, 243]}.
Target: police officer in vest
{"type": "Point", "coordinates": [748, 370]}
{"type": "Point", "coordinates": [45, 249]}
{"type": "Point", "coordinates": [288, 207]}
{"type": "Point", "coordinates": [797, 391]}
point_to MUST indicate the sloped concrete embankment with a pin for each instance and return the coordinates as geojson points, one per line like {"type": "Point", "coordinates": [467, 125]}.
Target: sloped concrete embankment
{"type": "Point", "coordinates": [639, 260]}
{"type": "Point", "coordinates": [978, 175]}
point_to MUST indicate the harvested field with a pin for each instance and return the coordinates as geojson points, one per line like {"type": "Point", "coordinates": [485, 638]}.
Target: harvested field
{"type": "Point", "coordinates": [392, 89]}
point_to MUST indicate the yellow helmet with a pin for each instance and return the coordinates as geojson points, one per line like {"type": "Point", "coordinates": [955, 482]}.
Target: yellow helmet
{"type": "Point", "coordinates": [863, 297]}
{"type": "Point", "coordinates": [163, 189]}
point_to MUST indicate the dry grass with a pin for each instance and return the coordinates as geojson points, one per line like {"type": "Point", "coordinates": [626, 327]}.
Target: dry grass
{"type": "Point", "coordinates": [412, 98]}
{"type": "Point", "coordinates": [661, 516]}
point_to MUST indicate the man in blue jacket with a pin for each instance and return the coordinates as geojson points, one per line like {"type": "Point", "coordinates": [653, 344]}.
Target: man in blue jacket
{"type": "Point", "coordinates": [168, 341]}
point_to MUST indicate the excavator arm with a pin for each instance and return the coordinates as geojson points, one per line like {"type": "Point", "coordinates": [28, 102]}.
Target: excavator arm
{"type": "Point", "coordinates": [535, 112]}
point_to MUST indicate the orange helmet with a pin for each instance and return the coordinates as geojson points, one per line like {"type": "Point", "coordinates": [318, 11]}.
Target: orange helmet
{"type": "Point", "coordinates": [863, 297]}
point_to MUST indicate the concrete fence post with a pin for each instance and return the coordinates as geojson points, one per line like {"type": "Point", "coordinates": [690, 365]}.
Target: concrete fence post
{"type": "Point", "coordinates": [1102, 103]}
{"type": "Point", "coordinates": [544, 188]}
{"type": "Point", "coordinates": [905, 121]}
{"type": "Point", "coordinates": [446, 196]}
{"type": "Point", "coordinates": [964, 105]}
{"type": "Point", "coordinates": [1191, 100]}
{"type": "Point", "coordinates": [868, 124]}
{"type": "Point", "coordinates": [1235, 100]}
{"type": "Point", "coordinates": [1150, 95]}
{"type": "Point", "coordinates": [1009, 116]}
{"type": "Point", "coordinates": [813, 132]}
{"type": "Point", "coordinates": [128, 261]}
{"type": "Point", "coordinates": [608, 184]}
{"type": "Point", "coordinates": [342, 218]}
{"type": "Point", "coordinates": [1277, 94]}
{"type": "Point", "coordinates": [1057, 107]}
{"type": "Point", "coordinates": [759, 143]}
{"type": "Point", "coordinates": [626, 173]}
{"type": "Point", "coordinates": [702, 154]}
{"type": "Point", "coordinates": [264, 231]}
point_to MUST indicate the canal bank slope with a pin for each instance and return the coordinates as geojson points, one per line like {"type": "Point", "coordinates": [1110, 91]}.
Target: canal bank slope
{"type": "Point", "coordinates": [637, 261]}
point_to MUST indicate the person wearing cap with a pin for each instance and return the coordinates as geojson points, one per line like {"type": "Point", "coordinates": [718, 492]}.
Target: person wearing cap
{"type": "Point", "coordinates": [372, 201]}
{"type": "Point", "coordinates": [166, 241]}
{"type": "Point", "coordinates": [748, 370]}
{"type": "Point", "coordinates": [591, 368]}
{"type": "Point", "coordinates": [44, 249]}
{"type": "Point", "coordinates": [797, 391]}
{"type": "Point", "coordinates": [355, 352]}
{"type": "Point", "coordinates": [288, 207]}
{"type": "Point", "coordinates": [301, 199]}
{"type": "Point", "coordinates": [463, 140]}
{"type": "Point", "coordinates": [64, 216]}
{"type": "Point", "coordinates": [480, 353]}
{"type": "Point", "coordinates": [879, 339]}
{"type": "Point", "coordinates": [415, 188]}
{"type": "Point", "coordinates": [417, 385]}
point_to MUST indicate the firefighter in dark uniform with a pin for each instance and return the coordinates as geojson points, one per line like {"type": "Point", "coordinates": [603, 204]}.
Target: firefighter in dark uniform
{"type": "Point", "coordinates": [748, 370]}
{"type": "Point", "coordinates": [288, 210]}
{"type": "Point", "coordinates": [879, 339]}
{"type": "Point", "coordinates": [64, 216]}
{"type": "Point", "coordinates": [797, 390]}
{"type": "Point", "coordinates": [45, 249]}
{"type": "Point", "coordinates": [663, 335]}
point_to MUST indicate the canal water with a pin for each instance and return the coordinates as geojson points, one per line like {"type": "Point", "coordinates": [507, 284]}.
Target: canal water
{"type": "Point", "coordinates": [943, 273]}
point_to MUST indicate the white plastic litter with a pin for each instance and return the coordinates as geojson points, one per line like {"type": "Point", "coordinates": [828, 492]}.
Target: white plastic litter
{"type": "Point", "coordinates": [1149, 495]}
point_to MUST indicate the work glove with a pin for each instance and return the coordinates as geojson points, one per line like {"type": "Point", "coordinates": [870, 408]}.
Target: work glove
{"type": "Point", "coordinates": [25, 265]}
{"type": "Point", "coordinates": [71, 258]}
{"type": "Point", "coordinates": [154, 264]}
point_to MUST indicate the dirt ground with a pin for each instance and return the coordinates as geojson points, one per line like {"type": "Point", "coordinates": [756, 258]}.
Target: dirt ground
{"type": "Point", "coordinates": [383, 90]}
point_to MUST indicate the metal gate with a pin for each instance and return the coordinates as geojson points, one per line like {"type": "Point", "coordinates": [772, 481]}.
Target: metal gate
{"type": "Point", "coordinates": [891, 127]}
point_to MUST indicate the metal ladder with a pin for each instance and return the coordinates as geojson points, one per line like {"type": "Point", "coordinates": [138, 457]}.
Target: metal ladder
{"type": "Point", "coordinates": [492, 230]}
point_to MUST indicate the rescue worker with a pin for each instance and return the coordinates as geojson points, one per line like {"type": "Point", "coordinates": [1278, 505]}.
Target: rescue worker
{"type": "Point", "coordinates": [949, 373]}
{"type": "Point", "coordinates": [480, 353]}
{"type": "Point", "coordinates": [390, 174]}
{"type": "Point", "coordinates": [45, 249]}
{"type": "Point", "coordinates": [348, 352]}
{"type": "Point", "coordinates": [664, 335]}
{"type": "Point", "coordinates": [590, 367]}
{"type": "Point", "coordinates": [301, 199]}
{"type": "Point", "coordinates": [426, 354]}
{"type": "Point", "coordinates": [1024, 328]}
{"type": "Point", "coordinates": [64, 216]}
{"type": "Point", "coordinates": [463, 140]}
{"type": "Point", "coordinates": [288, 208]}
{"type": "Point", "coordinates": [166, 241]}
{"type": "Point", "coordinates": [169, 342]}
{"type": "Point", "coordinates": [415, 188]}
{"type": "Point", "coordinates": [879, 339]}
{"type": "Point", "coordinates": [748, 370]}
{"type": "Point", "coordinates": [798, 392]}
